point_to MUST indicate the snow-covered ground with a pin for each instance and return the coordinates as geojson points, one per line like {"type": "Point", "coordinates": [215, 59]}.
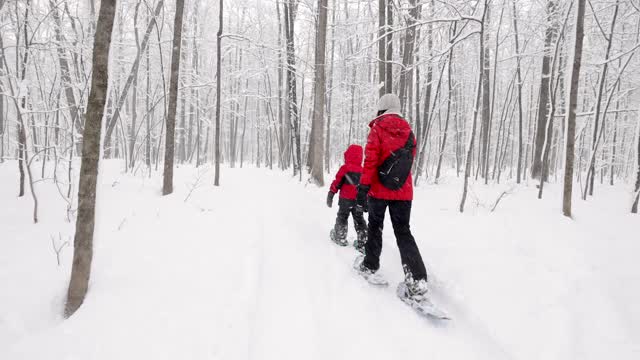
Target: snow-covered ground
{"type": "Point", "coordinates": [246, 271]}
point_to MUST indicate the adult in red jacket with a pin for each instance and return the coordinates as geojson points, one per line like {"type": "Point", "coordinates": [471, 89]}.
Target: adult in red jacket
{"type": "Point", "coordinates": [346, 182]}
{"type": "Point", "coordinates": [389, 133]}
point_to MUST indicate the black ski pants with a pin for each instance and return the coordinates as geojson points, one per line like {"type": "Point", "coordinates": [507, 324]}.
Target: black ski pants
{"type": "Point", "coordinates": [400, 212]}
{"type": "Point", "coordinates": [347, 207]}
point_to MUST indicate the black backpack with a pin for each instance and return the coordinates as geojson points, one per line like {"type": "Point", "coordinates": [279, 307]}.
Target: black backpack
{"type": "Point", "coordinates": [395, 169]}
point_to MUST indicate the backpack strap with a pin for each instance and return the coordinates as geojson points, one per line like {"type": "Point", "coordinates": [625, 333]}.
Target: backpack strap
{"type": "Point", "coordinates": [409, 145]}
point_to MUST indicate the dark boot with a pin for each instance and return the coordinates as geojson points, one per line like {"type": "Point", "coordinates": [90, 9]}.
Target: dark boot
{"type": "Point", "coordinates": [361, 229]}
{"type": "Point", "coordinates": [339, 232]}
{"type": "Point", "coordinates": [361, 241]}
{"type": "Point", "coordinates": [339, 236]}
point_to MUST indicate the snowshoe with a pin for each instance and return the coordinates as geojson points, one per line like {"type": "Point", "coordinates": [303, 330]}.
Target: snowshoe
{"type": "Point", "coordinates": [342, 241]}
{"type": "Point", "coordinates": [415, 295]}
{"type": "Point", "coordinates": [372, 277]}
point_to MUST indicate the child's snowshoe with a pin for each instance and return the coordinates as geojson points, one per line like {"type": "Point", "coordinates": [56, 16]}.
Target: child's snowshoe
{"type": "Point", "coordinates": [340, 240]}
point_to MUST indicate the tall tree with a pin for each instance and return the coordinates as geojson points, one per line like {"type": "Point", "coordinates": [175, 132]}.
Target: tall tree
{"type": "Point", "coordinates": [408, 51]}
{"type": "Point", "coordinates": [602, 79]}
{"type": "Point", "coordinates": [543, 97]}
{"type": "Point", "coordinates": [327, 147]}
{"type": "Point", "coordinates": [133, 73]}
{"type": "Point", "coordinates": [486, 101]}
{"type": "Point", "coordinates": [290, 10]}
{"type": "Point", "coordinates": [519, 88]}
{"type": "Point", "coordinates": [316, 145]}
{"type": "Point", "coordinates": [634, 207]}
{"type": "Point", "coordinates": [388, 72]}
{"type": "Point", "coordinates": [216, 180]}
{"type": "Point", "coordinates": [476, 108]}
{"type": "Point", "coordinates": [2, 122]}
{"type": "Point", "coordinates": [22, 136]}
{"type": "Point", "coordinates": [571, 113]}
{"type": "Point", "coordinates": [450, 90]}
{"type": "Point", "coordinates": [382, 49]}
{"type": "Point", "coordinates": [85, 223]}
{"type": "Point", "coordinates": [65, 71]}
{"type": "Point", "coordinates": [167, 187]}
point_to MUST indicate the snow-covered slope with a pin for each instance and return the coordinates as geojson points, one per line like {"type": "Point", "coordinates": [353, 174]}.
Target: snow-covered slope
{"type": "Point", "coordinates": [246, 271]}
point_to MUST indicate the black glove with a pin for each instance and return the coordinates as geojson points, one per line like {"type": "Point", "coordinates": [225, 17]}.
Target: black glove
{"type": "Point", "coordinates": [361, 198]}
{"type": "Point", "coordinates": [330, 196]}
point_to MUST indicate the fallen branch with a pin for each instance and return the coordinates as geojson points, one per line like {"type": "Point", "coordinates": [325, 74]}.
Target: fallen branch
{"type": "Point", "coordinates": [504, 194]}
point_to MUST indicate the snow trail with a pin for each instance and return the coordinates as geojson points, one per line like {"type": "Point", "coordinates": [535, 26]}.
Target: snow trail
{"type": "Point", "coordinates": [247, 271]}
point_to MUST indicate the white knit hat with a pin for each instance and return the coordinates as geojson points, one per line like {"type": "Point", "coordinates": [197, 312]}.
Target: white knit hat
{"type": "Point", "coordinates": [390, 103]}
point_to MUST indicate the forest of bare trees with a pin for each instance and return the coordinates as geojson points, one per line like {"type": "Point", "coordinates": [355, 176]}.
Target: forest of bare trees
{"type": "Point", "coordinates": [497, 91]}
{"type": "Point", "coordinates": [299, 82]}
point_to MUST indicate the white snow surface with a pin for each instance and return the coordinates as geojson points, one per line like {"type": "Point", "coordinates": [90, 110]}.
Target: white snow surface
{"type": "Point", "coordinates": [246, 271]}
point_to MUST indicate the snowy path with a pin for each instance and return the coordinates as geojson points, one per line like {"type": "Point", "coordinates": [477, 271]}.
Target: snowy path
{"type": "Point", "coordinates": [310, 304]}
{"type": "Point", "coordinates": [246, 271]}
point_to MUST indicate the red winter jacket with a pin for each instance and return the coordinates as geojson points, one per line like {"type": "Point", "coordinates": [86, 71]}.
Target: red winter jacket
{"type": "Point", "coordinates": [348, 177]}
{"type": "Point", "coordinates": [389, 132]}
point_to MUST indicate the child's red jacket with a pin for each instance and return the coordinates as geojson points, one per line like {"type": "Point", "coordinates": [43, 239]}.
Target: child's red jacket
{"type": "Point", "coordinates": [348, 177]}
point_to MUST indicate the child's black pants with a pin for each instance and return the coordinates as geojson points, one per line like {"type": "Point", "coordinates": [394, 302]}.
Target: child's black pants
{"type": "Point", "coordinates": [347, 207]}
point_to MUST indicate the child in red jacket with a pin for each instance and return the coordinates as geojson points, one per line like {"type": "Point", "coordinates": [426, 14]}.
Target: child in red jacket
{"type": "Point", "coordinates": [346, 181]}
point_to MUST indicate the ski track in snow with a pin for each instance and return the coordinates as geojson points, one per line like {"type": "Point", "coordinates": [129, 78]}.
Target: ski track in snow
{"type": "Point", "coordinates": [247, 271]}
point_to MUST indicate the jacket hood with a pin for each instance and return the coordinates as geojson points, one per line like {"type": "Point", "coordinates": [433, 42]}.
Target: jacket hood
{"type": "Point", "coordinates": [390, 104]}
{"type": "Point", "coordinates": [353, 155]}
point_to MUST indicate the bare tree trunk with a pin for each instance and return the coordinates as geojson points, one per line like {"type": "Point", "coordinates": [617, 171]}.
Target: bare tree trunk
{"type": "Point", "coordinates": [284, 117]}
{"type": "Point", "coordinates": [195, 96]}
{"type": "Point", "coordinates": [327, 147]}
{"type": "Point", "coordinates": [612, 163]}
{"type": "Point", "coordinates": [486, 102]}
{"type": "Point", "coordinates": [244, 128]}
{"type": "Point", "coordinates": [601, 82]}
{"type": "Point", "coordinates": [382, 58]}
{"type": "Point", "coordinates": [134, 97]}
{"type": "Point", "coordinates": [85, 223]}
{"type": "Point", "coordinates": [446, 124]}
{"type": "Point", "coordinates": [290, 8]}
{"type": "Point", "coordinates": [553, 87]}
{"type": "Point", "coordinates": [216, 181]}
{"type": "Point", "coordinates": [493, 96]}
{"type": "Point", "coordinates": [543, 98]}
{"type": "Point", "coordinates": [422, 130]}
{"type": "Point", "coordinates": [634, 207]}
{"type": "Point", "coordinates": [316, 145]}
{"type": "Point", "coordinates": [22, 137]}
{"type": "Point", "coordinates": [467, 170]}
{"type": "Point", "coordinates": [167, 186]}
{"type": "Point", "coordinates": [519, 87]}
{"type": "Point", "coordinates": [149, 111]}
{"type": "Point", "coordinates": [111, 123]}
{"type": "Point", "coordinates": [65, 73]}
{"type": "Point", "coordinates": [23, 151]}
{"type": "Point", "coordinates": [408, 51]}
{"type": "Point", "coordinates": [388, 72]}
{"type": "Point", "coordinates": [2, 122]}
{"type": "Point", "coordinates": [134, 121]}
{"type": "Point", "coordinates": [570, 133]}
